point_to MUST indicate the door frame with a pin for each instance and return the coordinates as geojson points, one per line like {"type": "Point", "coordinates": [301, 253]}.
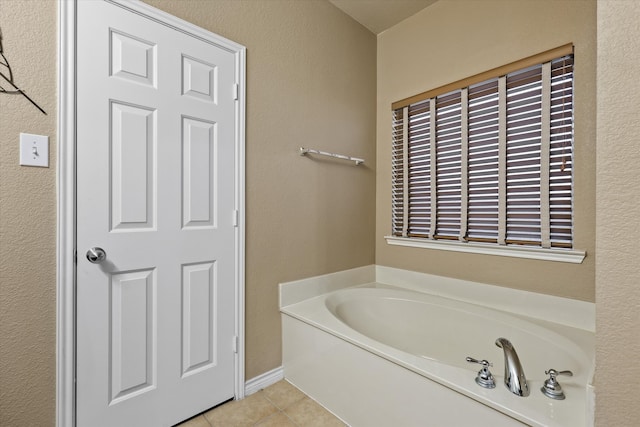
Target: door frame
{"type": "Point", "coordinates": [66, 197]}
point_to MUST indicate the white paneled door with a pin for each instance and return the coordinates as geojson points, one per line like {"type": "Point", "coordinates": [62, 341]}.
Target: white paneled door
{"type": "Point", "coordinates": [156, 220]}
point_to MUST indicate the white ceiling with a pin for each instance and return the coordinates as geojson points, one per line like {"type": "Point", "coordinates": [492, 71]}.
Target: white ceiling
{"type": "Point", "coordinates": [379, 15]}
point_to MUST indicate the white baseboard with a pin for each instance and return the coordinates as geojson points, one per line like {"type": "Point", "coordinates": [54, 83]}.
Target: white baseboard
{"type": "Point", "coordinates": [262, 381]}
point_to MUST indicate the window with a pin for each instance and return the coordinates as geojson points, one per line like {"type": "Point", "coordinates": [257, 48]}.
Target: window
{"type": "Point", "coordinates": [488, 160]}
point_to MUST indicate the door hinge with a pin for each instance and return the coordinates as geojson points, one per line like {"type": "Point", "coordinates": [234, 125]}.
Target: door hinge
{"type": "Point", "coordinates": [236, 218]}
{"type": "Point", "coordinates": [236, 344]}
{"type": "Point", "coordinates": [236, 91]}
{"type": "Point", "coordinates": [75, 257]}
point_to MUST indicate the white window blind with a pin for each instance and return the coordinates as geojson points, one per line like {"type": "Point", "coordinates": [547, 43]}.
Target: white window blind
{"type": "Point", "coordinates": [490, 161]}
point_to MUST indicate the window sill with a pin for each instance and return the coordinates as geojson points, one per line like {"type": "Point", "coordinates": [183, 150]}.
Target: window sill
{"type": "Point", "coordinates": [559, 255]}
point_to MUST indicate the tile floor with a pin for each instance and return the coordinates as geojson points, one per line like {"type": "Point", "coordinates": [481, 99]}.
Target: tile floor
{"type": "Point", "coordinates": [279, 405]}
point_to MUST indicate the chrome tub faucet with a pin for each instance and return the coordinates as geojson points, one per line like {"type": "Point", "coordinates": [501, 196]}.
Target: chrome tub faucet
{"type": "Point", "coordinates": [514, 377]}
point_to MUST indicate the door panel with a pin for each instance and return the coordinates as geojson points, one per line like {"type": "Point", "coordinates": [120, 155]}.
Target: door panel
{"type": "Point", "coordinates": [132, 340]}
{"type": "Point", "coordinates": [199, 289]}
{"type": "Point", "coordinates": [133, 185]}
{"type": "Point", "coordinates": [199, 154]}
{"type": "Point", "coordinates": [199, 79]}
{"type": "Point", "coordinates": [156, 182]}
{"type": "Point", "coordinates": [132, 58]}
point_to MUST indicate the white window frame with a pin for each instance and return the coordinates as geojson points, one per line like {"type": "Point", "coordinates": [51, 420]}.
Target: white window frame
{"type": "Point", "coordinates": [426, 236]}
{"type": "Point", "coordinates": [561, 255]}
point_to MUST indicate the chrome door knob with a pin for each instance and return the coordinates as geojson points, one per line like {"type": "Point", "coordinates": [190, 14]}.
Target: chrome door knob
{"type": "Point", "coordinates": [96, 255]}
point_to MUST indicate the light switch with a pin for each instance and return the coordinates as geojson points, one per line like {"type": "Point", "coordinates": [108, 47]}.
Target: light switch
{"type": "Point", "coordinates": [34, 150]}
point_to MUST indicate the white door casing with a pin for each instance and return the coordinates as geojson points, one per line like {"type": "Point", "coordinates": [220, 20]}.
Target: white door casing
{"type": "Point", "coordinates": [160, 157]}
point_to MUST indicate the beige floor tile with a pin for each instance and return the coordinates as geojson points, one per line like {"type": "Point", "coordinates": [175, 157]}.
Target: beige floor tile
{"type": "Point", "coordinates": [241, 413]}
{"type": "Point", "coordinates": [308, 413]}
{"type": "Point", "coordinates": [198, 421]}
{"type": "Point", "coordinates": [276, 420]}
{"type": "Point", "coordinates": [283, 394]}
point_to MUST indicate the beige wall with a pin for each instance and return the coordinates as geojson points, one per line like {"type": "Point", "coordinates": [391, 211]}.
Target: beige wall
{"type": "Point", "coordinates": [454, 39]}
{"type": "Point", "coordinates": [28, 220]}
{"type": "Point", "coordinates": [311, 82]}
{"type": "Point", "coordinates": [618, 213]}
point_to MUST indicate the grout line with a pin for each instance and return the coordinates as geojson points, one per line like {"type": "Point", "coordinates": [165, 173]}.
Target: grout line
{"type": "Point", "coordinates": [266, 418]}
{"type": "Point", "coordinates": [291, 419]}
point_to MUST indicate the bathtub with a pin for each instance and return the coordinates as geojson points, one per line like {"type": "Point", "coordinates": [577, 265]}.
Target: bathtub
{"type": "Point", "coordinates": [377, 354]}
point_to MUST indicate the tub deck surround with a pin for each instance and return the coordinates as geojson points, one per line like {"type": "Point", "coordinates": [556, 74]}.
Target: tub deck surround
{"type": "Point", "coordinates": [300, 290]}
{"type": "Point", "coordinates": [329, 337]}
{"type": "Point", "coordinates": [564, 311]}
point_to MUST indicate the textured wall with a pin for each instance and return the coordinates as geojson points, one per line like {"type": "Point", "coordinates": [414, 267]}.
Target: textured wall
{"type": "Point", "coordinates": [28, 219]}
{"type": "Point", "coordinates": [311, 82]}
{"type": "Point", "coordinates": [454, 39]}
{"type": "Point", "coordinates": [618, 213]}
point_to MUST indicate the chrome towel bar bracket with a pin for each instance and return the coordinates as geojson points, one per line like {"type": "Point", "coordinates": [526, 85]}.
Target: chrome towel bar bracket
{"type": "Point", "coordinates": [304, 151]}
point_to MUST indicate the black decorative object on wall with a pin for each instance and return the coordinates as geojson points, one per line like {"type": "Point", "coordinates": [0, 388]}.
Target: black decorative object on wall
{"type": "Point", "coordinates": [7, 76]}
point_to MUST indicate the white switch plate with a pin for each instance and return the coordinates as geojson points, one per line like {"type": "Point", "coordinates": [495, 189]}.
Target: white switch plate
{"type": "Point", "coordinates": [34, 150]}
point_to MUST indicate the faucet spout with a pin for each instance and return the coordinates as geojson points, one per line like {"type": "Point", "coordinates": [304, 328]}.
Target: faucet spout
{"type": "Point", "coordinates": [514, 377]}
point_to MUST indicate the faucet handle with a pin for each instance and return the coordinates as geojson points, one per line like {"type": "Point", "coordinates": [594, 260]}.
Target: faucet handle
{"type": "Point", "coordinates": [553, 373]}
{"type": "Point", "coordinates": [483, 362]}
{"type": "Point", "coordinates": [484, 377]}
{"type": "Point", "coordinates": [552, 387]}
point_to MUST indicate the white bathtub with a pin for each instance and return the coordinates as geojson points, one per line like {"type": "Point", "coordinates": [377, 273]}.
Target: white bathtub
{"type": "Point", "coordinates": [379, 355]}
